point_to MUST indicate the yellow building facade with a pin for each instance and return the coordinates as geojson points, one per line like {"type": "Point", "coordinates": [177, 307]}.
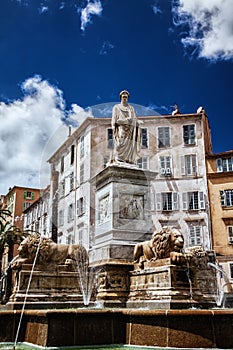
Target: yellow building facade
{"type": "Point", "coordinates": [220, 185]}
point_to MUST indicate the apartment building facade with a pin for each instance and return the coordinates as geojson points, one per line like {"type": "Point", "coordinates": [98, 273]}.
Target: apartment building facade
{"type": "Point", "coordinates": [220, 183]}
{"type": "Point", "coordinates": [173, 146]}
{"type": "Point", "coordinates": [36, 216]}
{"type": "Point", "coordinates": [17, 200]}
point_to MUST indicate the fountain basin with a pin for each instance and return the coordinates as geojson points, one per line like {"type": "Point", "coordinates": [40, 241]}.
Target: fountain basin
{"type": "Point", "coordinates": [162, 328]}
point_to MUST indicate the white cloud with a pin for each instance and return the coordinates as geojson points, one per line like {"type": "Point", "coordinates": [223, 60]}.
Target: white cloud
{"type": "Point", "coordinates": [77, 115]}
{"type": "Point", "coordinates": [210, 26]}
{"type": "Point", "coordinates": [92, 8]}
{"type": "Point", "coordinates": [31, 129]}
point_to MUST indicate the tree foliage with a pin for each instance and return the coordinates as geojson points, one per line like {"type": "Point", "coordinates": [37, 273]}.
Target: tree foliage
{"type": "Point", "coordinates": [9, 234]}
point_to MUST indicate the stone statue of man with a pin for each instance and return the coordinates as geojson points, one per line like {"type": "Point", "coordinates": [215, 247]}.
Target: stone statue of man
{"type": "Point", "coordinates": [126, 131]}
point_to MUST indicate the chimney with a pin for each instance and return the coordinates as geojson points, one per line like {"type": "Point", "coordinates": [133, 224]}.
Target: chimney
{"type": "Point", "coordinates": [70, 131]}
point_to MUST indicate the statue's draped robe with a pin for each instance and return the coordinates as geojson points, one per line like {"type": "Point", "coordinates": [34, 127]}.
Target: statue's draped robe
{"type": "Point", "coordinates": [126, 134]}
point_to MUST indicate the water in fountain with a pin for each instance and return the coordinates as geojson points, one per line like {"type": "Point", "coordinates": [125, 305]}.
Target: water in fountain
{"type": "Point", "coordinates": [221, 292]}
{"type": "Point", "coordinates": [86, 276]}
{"type": "Point", "coordinates": [190, 281]}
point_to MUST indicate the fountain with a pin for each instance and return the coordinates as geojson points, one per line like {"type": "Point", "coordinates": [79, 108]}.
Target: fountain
{"type": "Point", "coordinates": [155, 294]}
{"type": "Point", "coordinates": [149, 291]}
{"type": "Point", "coordinates": [158, 311]}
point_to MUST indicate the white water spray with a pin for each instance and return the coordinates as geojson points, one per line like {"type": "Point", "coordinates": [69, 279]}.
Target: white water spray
{"type": "Point", "coordinates": [27, 290]}
{"type": "Point", "coordinates": [86, 277]}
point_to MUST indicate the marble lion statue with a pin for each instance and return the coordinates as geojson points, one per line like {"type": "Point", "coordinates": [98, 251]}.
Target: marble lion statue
{"type": "Point", "coordinates": [48, 252]}
{"type": "Point", "coordinates": [168, 243]}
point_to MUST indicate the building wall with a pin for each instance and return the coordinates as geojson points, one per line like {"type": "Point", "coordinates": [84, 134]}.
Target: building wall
{"type": "Point", "coordinates": [221, 212]}
{"type": "Point", "coordinates": [18, 198]}
{"type": "Point", "coordinates": [175, 183]}
{"type": "Point", "coordinates": [36, 217]}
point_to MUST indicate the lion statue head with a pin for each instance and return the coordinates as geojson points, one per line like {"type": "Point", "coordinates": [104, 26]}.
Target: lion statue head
{"type": "Point", "coordinates": [167, 243]}
{"type": "Point", "coordinates": [28, 248]}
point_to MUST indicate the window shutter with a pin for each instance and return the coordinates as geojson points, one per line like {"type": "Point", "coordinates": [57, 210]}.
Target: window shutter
{"type": "Point", "coordinates": [192, 134]}
{"type": "Point", "coordinates": [182, 165]}
{"type": "Point", "coordinates": [169, 163]}
{"type": "Point", "coordinates": [175, 201]}
{"type": "Point", "coordinates": [222, 198]}
{"type": "Point", "coordinates": [201, 200]}
{"type": "Point", "coordinates": [25, 194]}
{"type": "Point", "coordinates": [152, 200]}
{"type": "Point", "coordinates": [158, 201]}
{"type": "Point", "coordinates": [194, 164]}
{"type": "Point", "coordinates": [219, 165]}
{"type": "Point", "coordinates": [32, 195]}
{"type": "Point", "coordinates": [230, 234]}
{"type": "Point", "coordinates": [185, 200]}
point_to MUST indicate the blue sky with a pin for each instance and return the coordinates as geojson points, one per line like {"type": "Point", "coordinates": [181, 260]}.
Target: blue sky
{"type": "Point", "coordinates": [59, 58]}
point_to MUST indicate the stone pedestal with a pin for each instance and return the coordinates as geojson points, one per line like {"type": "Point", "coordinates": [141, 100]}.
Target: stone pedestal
{"type": "Point", "coordinates": [112, 283]}
{"type": "Point", "coordinates": [162, 284]}
{"type": "Point", "coordinates": [122, 211]}
{"type": "Point", "coordinates": [55, 287]}
{"type": "Point", "coordinates": [122, 218]}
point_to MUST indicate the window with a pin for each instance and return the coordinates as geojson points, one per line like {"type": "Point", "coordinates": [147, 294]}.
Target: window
{"type": "Point", "coordinates": [62, 164]}
{"type": "Point", "coordinates": [28, 195]}
{"type": "Point", "coordinates": [193, 200]}
{"type": "Point", "coordinates": [72, 154]}
{"type": "Point", "coordinates": [189, 164]}
{"type": "Point", "coordinates": [81, 173]}
{"type": "Point", "coordinates": [195, 235]}
{"type": "Point", "coordinates": [226, 198]}
{"type": "Point", "coordinates": [224, 164]}
{"type": "Point", "coordinates": [80, 206]}
{"type": "Point", "coordinates": [26, 205]}
{"type": "Point", "coordinates": [80, 236]}
{"type": "Point", "coordinates": [82, 146]}
{"type": "Point", "coordinates": [144, 138]}
{"type": "Point", "coordinates": [45, 225]}
{"type": "Point", "coordinates": [166, 201]}
{"type": "Point", "coordinates": [165, 165]}
{"type": "Point", "coordinates": [142, 163]}
{"type": "Point", "coordinates": [231, 270]}
{"type": "Point", "coordinates": [62, 188]}
{"type": "Point", "coordinates": [71, 181]}
{"type": "Point", "coordinates": [70, 239]}
{"type": "Point", "coordinates": [230, 234]}
{"type": "Point", "coordinates": [61, 218]}
{"type": "Point", "coordinates": [163, 137]}
{"type": "Point", "coordinates": [70, 213]}
{"type": "Point", "coordinates": [189, 134]}
{"type": "Point", "coordinates": [110, 138]}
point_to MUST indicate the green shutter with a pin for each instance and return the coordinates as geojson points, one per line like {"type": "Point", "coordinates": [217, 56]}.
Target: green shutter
{"type": "Point", "coordinates": [25, 195]}
{"type": "Point", "coordinates": [32, 195]}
